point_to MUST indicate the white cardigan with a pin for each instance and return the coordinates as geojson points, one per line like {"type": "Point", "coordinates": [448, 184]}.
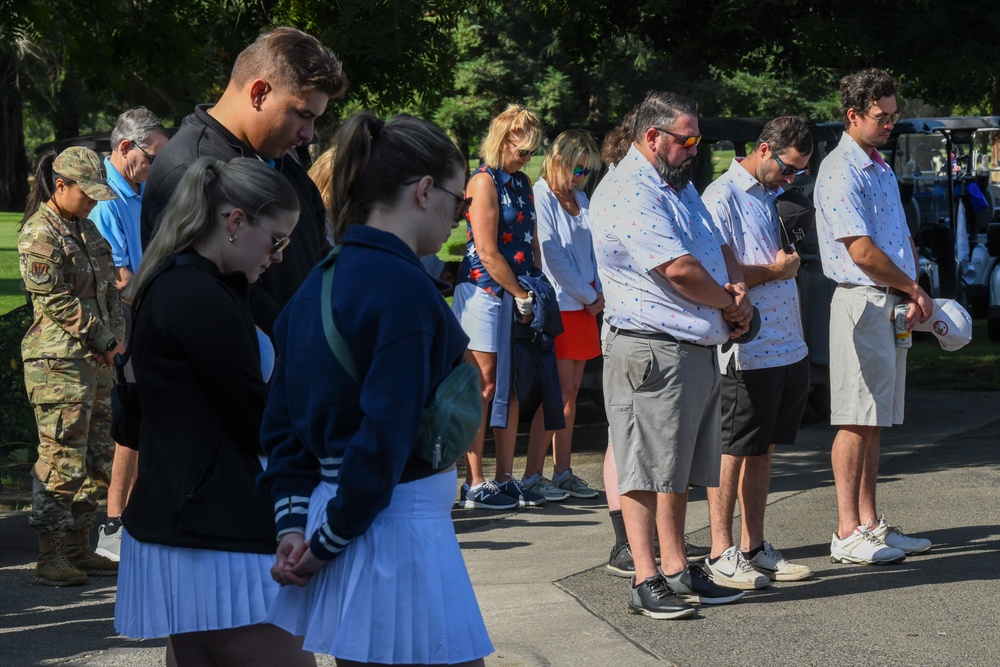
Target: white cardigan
{"type": "Point", "coordinates": [567, 248]}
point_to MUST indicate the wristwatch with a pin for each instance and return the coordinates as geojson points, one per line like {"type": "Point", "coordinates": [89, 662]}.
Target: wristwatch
{"type": "Point", "coordinates": [112, 345]}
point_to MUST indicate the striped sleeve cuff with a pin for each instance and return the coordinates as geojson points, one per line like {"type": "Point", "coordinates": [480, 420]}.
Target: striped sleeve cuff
{"type": "Point", "coordinates": [291, 513]}
{"type": "Point", "coordinates": [325, 544]}
{"type": "Point", "coordinates": [292, 529]}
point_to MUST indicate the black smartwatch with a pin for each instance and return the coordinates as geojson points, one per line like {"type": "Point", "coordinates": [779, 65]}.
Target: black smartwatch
{"type": "Point", "coordinates": [112, 345]}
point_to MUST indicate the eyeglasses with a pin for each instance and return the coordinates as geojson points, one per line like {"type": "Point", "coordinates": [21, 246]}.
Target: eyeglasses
{"type": "Point", "coordinates": [579, 171]}
{"type": "Point", "coordinates": [785, 169]}
{"type": "Point", "coordinates": [278, 243]}
{"type": "Point", "coordinates": [688, 141]}
{"type": "Point", "coordinates": [884, 119]}
{"type": "Point", "coordinates": [521, 152]}
{"type": "Point", "coordinates": [462, 203]}
{"type": "Point", "coordinates": [144, 152]}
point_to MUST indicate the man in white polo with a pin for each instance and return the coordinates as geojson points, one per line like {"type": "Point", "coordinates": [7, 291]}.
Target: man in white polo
{"type": "Point", "coordinates": [764, 382]}
{"type": "Point", "coordinates": [673, 292]}
{"type": "Point", "coordinates": [866, 248]}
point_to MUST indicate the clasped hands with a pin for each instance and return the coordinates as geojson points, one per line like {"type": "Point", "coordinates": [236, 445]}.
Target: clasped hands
{"type": "Point", "coordinates": [295, 563]}
{"type": "Point", "coordinates": [739, 313]}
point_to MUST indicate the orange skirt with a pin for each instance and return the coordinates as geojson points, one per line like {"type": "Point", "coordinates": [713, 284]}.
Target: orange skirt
{"type": "Point", "coordinates": [580, 339]}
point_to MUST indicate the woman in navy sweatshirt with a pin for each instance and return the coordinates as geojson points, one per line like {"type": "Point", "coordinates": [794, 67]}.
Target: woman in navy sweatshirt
{"type": "Point", "coordinates": [364, 525]}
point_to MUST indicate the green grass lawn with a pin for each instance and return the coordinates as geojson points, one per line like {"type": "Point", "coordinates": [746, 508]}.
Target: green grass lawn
{"type": "Point", "coordinates": [976, 367]}
{"type": "Point", "coordinates": [11, 295]}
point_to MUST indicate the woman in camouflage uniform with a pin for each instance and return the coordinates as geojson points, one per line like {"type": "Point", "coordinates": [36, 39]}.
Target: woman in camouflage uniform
{"type": "Point", "coordinates": [68, 357]}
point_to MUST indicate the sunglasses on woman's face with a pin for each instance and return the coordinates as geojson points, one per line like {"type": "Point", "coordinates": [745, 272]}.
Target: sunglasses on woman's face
{"type": "Point", "coordinates": [579, 171]}
{"type": "Point", "coordinates": [522, 153]}
{"type": "Point", "coordinates": [462, 203]}
{"type": "Point", "coordinates": [278, 243]}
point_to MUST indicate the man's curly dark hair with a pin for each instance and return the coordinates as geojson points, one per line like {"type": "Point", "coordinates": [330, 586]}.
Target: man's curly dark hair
{"type": "Point", "coordinates": [860, 90]}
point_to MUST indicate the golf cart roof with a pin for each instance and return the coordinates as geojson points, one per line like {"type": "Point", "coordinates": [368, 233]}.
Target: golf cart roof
{"type": "Point", "coordinates": [946, 125]}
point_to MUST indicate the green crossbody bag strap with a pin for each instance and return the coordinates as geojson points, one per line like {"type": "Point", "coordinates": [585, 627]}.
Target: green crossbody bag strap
{"type": "Point", "coordinates": [333, 336]}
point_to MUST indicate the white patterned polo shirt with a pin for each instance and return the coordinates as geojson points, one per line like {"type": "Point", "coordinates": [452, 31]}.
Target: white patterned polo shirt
{"type": "Point", "coordinates": [857, 195]}
{"type": "Point", "coordinates": [640, 222]}
{"type": "Point", "coordinates": [744, 211]}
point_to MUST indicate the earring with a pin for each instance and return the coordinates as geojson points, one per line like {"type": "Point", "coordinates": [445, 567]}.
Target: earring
{"type": "Point", "coordinates": [232, 238]}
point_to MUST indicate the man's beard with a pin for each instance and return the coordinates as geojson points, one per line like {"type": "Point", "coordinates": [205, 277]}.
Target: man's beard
{"type": "Point", "coordinates": [676, 177]}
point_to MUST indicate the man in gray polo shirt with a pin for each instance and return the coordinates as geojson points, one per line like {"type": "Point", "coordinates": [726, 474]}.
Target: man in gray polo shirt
{"type": "Point", "coordinates": [765, 381]}
{"type": "Point", "coordinates": [867, 250]}
{"type": "Point", "coordinates": [673, 291]}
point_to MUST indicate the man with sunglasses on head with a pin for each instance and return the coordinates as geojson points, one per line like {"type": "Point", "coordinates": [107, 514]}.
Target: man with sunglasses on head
{"type": "Point", "coordinates": [136, 139]}
{"type": "Point", "coordinates": [279, 86]}
{"type": "Point", "coordinates": [765, 381]}
{"type": "Point", "coordinates": [673, 293]}
{"type": "Point", "coordinates": [866, 249]}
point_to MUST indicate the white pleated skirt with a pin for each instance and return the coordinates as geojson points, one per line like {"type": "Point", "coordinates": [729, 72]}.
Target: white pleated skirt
{"type": "Point", "coordinates": [399, 593]}
{"type": "Point", "coordinates": [166, 590]}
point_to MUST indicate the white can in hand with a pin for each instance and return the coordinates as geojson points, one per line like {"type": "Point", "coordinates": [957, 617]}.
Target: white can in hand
{"type": "Point", "coordinates": [904, 337]}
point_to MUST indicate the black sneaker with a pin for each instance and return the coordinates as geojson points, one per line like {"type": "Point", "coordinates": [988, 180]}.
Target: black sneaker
{"type": "Point", "coordinates": [693, 585]}
{"type": "Point", "coordinates": [620, 563]}
{"type": "Point", "coordinates": [694, 553]}
{"type": "Point", "coordinates": [653, 598]}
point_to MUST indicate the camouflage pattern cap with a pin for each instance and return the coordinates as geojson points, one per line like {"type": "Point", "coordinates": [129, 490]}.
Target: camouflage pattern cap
{"type": "Point", "coordinates": [84, 166]}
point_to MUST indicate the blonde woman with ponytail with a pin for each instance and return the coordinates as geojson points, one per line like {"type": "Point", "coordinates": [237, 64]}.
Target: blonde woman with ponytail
{"type": "Point", "coordinates": [366, 538]}
{"type": "Point", "coordinates": [198, 534]}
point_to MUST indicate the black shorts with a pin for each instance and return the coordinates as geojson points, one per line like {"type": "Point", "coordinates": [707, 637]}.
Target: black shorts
{"type": "Point", "coordinates": [762, 407]}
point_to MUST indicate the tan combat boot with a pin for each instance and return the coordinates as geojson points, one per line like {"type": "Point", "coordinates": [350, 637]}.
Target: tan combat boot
{"type": "Point", "coordinates": [52, 568]}
{"type": "Point", "coordinates": [76, 546]}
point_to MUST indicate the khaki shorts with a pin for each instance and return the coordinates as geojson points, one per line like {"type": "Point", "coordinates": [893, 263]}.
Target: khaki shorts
{"type": "Point", "coordinates": [662, 400]}
{"type": "Point", "coordinates": [867, 370]}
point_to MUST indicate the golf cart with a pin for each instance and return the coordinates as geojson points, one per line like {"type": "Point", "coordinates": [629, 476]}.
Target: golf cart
{"type": "Point", "coordinates": [949, 182]}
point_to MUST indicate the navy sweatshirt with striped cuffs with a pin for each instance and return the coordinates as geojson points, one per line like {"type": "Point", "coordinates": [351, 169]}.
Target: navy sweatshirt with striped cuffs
{"type": "Point", "coordinates": [319, 425]}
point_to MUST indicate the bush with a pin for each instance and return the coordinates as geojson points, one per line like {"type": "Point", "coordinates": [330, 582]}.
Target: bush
{"type": "Point", "coordinates": [17, 420]}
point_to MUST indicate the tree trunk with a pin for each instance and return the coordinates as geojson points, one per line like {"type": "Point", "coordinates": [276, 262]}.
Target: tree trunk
{"type": "Point", "coordinates": [68, 112]}
{"type": "Point", "coordinates": [14, 167]}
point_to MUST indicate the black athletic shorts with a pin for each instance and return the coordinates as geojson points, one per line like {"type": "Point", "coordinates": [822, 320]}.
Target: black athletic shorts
{"type": "Point", "coordinates": [761, 407]}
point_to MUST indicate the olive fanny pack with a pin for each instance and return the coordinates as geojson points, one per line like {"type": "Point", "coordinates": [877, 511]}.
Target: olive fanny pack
{"type": "Point", "coordinates": [449, 424]}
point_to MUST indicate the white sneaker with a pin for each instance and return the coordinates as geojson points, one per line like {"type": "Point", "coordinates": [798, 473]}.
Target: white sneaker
{"type": "Point", "coordinates": [893, 537]}
{"type": "Point", "coordinates": [109, 539]}
{"type": "Point", "coordinates": [864, 548]}
{"type": "Point", "coordinates": [732, 569]}
{"type": "Point", "coordinates": [776, 567]}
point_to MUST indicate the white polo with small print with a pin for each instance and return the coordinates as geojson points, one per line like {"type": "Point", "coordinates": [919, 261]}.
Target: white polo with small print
{"type": "Point", "coordinates": [857, 195]}
{"type": "Point", "coordinates": [639, 223]}
{"type": "Point", "coordinates": [744, 211]}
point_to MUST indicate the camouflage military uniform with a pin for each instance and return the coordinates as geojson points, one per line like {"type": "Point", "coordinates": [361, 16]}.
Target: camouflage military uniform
{"type": "Point", "coordinates": [68, 272]}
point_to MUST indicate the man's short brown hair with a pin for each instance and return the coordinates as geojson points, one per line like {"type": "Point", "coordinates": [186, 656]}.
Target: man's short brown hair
{"type": "Point", "coordinates": [786, 132]}
{"type": "Point", "coordinates": [291, 58]}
